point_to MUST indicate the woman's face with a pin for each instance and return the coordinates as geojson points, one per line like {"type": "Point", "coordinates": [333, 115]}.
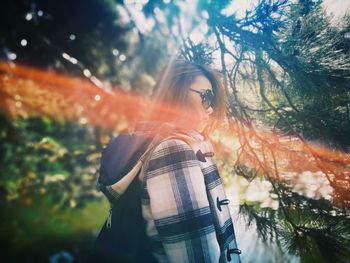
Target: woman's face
{"type": "Point", "coordinates": [201, 84]}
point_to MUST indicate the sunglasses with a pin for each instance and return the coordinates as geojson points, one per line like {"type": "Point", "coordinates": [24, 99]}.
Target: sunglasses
{"type": "Point", "coordinates": [207, 97]}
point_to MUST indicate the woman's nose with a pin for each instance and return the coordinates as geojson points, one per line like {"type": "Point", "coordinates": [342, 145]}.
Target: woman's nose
{"type": "Point", "coordinates": [209, 110]}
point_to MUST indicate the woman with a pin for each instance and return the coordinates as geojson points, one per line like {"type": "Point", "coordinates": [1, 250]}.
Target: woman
{"type": "Point", "coordinates": [183, 202]}
{"type": "Point", "coordinates": [179, 191]}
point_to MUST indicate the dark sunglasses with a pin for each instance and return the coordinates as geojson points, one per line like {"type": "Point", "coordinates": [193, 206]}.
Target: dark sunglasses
{"type": "Point", "coordinates": [207, 97]}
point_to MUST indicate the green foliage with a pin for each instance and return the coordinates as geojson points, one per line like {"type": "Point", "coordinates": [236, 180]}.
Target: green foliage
{"type": "Point", "coordinates": [199, 53]}
{"type": "Point", "coordinates": [265, 219]}
{"type": "Point", "coordinates": [44, 159]}
{"type": "Point", "coordinates": [312, 229]}
{"type": "Point", "coordinates": [48, 198]}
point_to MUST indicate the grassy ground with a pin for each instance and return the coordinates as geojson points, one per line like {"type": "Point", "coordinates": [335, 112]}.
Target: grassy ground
{"type": "Point", "coordinates": [33, 233]}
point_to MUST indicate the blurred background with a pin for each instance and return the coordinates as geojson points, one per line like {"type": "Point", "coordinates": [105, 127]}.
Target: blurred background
{"type": "Point", "coordinates": [74, 73]}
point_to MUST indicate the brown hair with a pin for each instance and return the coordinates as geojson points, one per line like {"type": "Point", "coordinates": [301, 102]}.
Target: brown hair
{"type": "Point", "coordinates": [173, 85]}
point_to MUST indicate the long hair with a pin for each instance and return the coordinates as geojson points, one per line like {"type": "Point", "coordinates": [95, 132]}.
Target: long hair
{"type": "Point", "coordinates": [172, 92]}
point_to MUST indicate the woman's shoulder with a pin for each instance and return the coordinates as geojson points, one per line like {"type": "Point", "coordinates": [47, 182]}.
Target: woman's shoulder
{"type": "Point", "coordinates": [170, 155]}
{"type": "Point", "coordinates": [179, 141]}
{"type": "Point", "coordinates": [171, 145]}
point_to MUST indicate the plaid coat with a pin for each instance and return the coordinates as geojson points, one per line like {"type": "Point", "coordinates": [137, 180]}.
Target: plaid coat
{"type": "Point", "coordinates": [184, 204]}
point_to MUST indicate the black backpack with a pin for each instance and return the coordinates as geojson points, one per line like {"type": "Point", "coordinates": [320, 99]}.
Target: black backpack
{"type": "Point", "coordinates": [122, 237]}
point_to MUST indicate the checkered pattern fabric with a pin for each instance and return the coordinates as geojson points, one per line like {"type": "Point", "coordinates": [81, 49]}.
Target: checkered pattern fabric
{"type": "Point", "coordinates": [183, 204]}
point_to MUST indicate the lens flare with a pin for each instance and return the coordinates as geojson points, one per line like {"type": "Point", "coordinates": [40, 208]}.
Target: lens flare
{"type": "Point", "coordinates": [27, 91]}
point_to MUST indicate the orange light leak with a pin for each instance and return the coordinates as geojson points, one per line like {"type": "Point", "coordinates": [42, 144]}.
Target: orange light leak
{"type": "Point", "coordinates": [25, 91]}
